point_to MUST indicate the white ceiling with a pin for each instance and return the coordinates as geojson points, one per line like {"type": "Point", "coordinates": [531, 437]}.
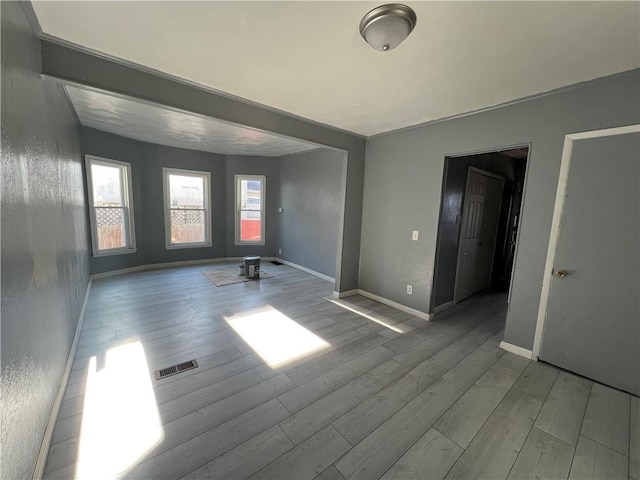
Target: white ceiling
{"type": "Point", "coordinates": [156, 124]}
{"type": "Point", "coordinates": [308, 58]}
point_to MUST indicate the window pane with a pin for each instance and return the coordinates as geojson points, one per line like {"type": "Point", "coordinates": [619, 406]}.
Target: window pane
{"type": "Point", "coordinates": [111, 228]}
{"type": "Point", "coordinates": [250, 226]}
{"type": "Point", "coordinates": [107, 188]}
{"type": "Point", "coordinates": [186, 191]}
{"type": "Point", "coordinates": [250, 195]}
{"type": "Point", "coordinates": [187, 226]}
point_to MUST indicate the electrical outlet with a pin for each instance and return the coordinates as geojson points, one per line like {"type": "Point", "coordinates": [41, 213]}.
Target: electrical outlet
{"type": "Point", "coordinates": [414, 236]}
{"type": "Point", "coordinates": [279, 251]}
{"type": "Point", "coordinates": [280, 209]}
{"type": "Point", "coordinates": [409, 289]}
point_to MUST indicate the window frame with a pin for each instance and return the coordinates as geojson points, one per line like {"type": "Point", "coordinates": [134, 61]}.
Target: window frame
{"type": "Point", "coordinates": [126, 182]}
{"type": "Point", "coordinates": [239, 210]}
{"type": "Point", "coordinates": [206, 177]}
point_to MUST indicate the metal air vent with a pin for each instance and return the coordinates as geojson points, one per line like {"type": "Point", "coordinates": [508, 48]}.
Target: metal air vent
{"type": "Point", "coordinates": [175, 369]}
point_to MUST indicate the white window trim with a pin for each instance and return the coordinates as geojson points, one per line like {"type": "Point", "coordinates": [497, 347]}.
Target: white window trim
{"type": "Point", "coordinates": [206, 176]}
{"type": "Point", "coordinates": [128, 200]}
{"type": "Point", "coordinates": [263, 202]}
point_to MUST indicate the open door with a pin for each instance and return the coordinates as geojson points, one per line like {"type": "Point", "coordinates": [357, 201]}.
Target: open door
{"type": "Point", "coordinates": [480, 215]}
{"type": "Point", "coordinates": [589, 318]}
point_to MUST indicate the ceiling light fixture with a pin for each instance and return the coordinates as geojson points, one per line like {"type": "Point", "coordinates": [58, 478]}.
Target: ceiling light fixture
{"type": "Point", "coordinates": [385, 27]}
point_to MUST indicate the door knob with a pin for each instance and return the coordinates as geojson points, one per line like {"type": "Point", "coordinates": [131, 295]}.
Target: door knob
{"type": "Point", "coordinates": [561, 274]}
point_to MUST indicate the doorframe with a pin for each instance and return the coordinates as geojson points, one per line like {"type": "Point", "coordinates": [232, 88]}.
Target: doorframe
{"type": "Point", "coordinates": [467, 153]}
{"type": "Point", "coordinates": [565, 163]}
{"type": "Point", "coordinates": [495, 234]}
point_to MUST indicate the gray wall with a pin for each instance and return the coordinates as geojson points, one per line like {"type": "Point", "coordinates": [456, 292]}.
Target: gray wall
{"type": "Point", "coordinates": [85, 68]}
{"type": "Point", "coordinates": [449, 229]}
{"type": "Point", "coordinates": [44, 242]}
{"type": "Point", "coordinates": [311, 195]}
{"type": "Point", "coordinates": [147, 161]}
{"type": "Point", "coordinates": [403, 181]}
{"type": "Point", "coordinates": [250, 165]}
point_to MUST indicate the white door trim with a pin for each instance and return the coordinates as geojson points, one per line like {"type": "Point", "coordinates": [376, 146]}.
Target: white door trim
{"type": "Point", "coordinates": [565, 163]}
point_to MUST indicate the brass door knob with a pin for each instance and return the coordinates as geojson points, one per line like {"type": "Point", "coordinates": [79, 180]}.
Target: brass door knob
{"type": "Point", "coordinates": [561, 274]}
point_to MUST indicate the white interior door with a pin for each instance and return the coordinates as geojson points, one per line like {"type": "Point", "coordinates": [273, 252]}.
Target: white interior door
{"type": "Point", "coordinates": [488, 231]}
{"type": "Point", "coordinates": [589, 321]}
{"type": "Point", "coordinates": [480, 213]}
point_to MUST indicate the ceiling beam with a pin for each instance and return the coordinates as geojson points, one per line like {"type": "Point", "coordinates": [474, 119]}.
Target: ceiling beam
{"type": "Point", "coordinates": [79, 66]}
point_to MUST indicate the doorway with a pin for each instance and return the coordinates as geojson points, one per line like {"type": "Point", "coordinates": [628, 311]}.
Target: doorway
{"type": "Point", "coordinates": [506, 166]}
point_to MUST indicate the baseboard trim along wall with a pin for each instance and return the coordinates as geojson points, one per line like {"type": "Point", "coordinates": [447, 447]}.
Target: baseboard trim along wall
{"type": "Point", "coordinates": [184, 263]}
{"type": "Point", "coordinates": [307, 270]}
{"type": "Point", "coordinates": [396, 305]}
{"type": "Point", "coordinates": [444, 306]}
{"type": "Point", "coordinates": [348, 293]}
{"type": "Point", "coordinates": [55, 409]}
{"type": "Point", "coordinates": [386, 301]}
{"type": "Point", "coordinates": [521, 352]}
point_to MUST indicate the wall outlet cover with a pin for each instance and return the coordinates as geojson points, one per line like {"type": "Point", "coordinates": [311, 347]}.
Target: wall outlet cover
{"type": "Point", "coordinates": [409, 289]}
{"type": "Point", "coordinates": [414, 236]}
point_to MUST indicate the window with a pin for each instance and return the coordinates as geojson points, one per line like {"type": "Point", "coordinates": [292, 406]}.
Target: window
{"type": "Point", "coordinates": [110, 213]}
{"type": "Point", "coordinates": [187, 207]}
{"type": "Point", "coordinates": [250, 209]}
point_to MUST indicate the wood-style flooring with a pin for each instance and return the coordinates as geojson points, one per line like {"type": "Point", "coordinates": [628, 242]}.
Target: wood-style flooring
{"type": "Point", "coordinates": [387, 395]}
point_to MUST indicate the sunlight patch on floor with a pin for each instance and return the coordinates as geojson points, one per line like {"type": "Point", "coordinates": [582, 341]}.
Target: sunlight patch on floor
{"type": "Point", "coordinates": [385, 322]}
{"type": "Point", "coordinates": [274, 336]}
{"type": "Point", "coordinates": [120, 421]}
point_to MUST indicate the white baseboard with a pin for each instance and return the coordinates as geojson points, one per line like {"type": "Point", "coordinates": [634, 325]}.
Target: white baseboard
{"type": "Point", "coordinates": [114, 273]}
{"type": "Point", "coordinates": [396, 305]}
{"type": "Point", "coordinates": [307, 270]}
{"type": "Point", "coordinates": [38, 471]}
{"type": "Point", "coordinates": [348, 293]}
{"type": "Point", "coordinates": [184, 263]}
{"type": "Point", "coordinates": [386, 301]}
{"type": "Point", "coordinates": [521, 352]}
{"type": "Point", "coordinates": [238, 259]}
{"type": "Point", "coordinates": [443, 307]}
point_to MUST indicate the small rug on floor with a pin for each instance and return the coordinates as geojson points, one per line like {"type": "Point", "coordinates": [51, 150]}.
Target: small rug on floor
{"type": "Point", "coordinates": [229, 276]}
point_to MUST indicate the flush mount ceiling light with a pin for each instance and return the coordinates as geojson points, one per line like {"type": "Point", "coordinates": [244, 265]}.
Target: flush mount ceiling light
{"type": "Point", "coordinates": [385, 27]}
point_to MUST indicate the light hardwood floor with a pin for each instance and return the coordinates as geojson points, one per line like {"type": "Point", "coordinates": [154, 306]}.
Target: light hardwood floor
{"type": "Point", "coordinates": [388, 396]}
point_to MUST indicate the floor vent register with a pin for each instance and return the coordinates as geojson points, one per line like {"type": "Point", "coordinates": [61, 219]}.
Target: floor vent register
{"type": "Point", "coordinates": [175, 369]}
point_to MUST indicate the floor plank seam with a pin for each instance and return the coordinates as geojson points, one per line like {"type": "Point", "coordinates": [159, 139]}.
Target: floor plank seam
{"type": "Point", "coordinates": [606, 446]}
{"type": "Point", "coordinates": [486, 420]}
{"type": "Point", "coordinates": [285, 433]}
{"type": "Point", "coordinates": [584, 413]}
{"type": "Point", "coordinates": [284, 406]}
{"type": "Point", "coordinates": [445, 435]}
{"type": "Point", "coordinates": [534, 420]}
{"type": "Point", "coordinates": [418, 392]}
